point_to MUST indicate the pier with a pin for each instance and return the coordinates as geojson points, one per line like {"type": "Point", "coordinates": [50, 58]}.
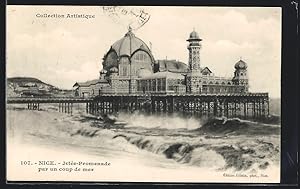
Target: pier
{"type": "Point", "coordinates": [248, 105]}
{"type": "Point", "coordinates": [245, 105]}
{"type": "Point", "coordinates": [65, 105]}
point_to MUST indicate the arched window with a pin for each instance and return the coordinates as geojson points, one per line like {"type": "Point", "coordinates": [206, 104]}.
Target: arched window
{"type": "Point", "coordinates": [124, 66]}
{"type": "Point", "coordinates": [111, 60]}
{"type": "Point", "coordinates": [140, 59]}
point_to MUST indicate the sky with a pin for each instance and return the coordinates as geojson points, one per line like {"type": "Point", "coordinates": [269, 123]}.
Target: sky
{"type": "Point", "coordinates": [62, 51]}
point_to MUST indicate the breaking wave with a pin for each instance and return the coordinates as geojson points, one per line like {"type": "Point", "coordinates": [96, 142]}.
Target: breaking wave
{"type": "Point", "coordinates": [173, 121]}
{"type": "Point", "coordinates": [235, 126]}
{"type": "Point", "coordinates": [216, 143]}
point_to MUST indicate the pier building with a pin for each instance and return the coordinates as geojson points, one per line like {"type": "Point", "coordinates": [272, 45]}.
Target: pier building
{"type": "Point", "coordinates": [129, 67]}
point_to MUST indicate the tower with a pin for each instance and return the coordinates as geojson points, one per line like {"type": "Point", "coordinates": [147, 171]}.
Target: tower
{"type": "Point", "coordinates": [194, 74]}
{"type": "Point", "coordinates": [241, 76]}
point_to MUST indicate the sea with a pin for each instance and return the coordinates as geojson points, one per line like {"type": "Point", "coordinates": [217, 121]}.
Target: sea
{"type": "Point", "coordinates": [139, 147]}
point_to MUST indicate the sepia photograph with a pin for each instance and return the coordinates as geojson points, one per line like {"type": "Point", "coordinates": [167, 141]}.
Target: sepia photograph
{"type": "Point", "coordinates": [143, 94]}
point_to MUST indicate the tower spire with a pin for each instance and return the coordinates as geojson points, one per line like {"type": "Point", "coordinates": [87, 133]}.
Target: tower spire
{"type": "Point", "coordinates": [194, 52]}
{"type": "Point", "coordinates": [129, 33]}
{"type": "Point", "coordinates": [194, 74]}
{"type": "Point", "coordinates": [129, 28]}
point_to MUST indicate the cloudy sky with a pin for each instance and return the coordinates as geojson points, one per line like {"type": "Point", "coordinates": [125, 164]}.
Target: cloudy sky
{"type": "Point", "coordinates": [62, 51]}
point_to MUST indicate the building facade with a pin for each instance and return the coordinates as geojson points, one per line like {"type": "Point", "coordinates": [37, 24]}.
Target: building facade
{"type": "Point", "coordinates": [129, 67]}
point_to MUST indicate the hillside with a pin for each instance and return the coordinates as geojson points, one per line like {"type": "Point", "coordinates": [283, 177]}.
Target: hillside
{"type": "Point", "coordinates": [28, 86]}
{"type": "Point", "coordinates": [26, 80]}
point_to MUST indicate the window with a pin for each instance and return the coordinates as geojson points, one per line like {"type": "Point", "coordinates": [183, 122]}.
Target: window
{"type": "Point", "coordinates": [111, 59]}
{"type": "Point", "coordinates": [124, 66]}
{"type": "Point", "coordinates": [163, 84]}
{"type": "Point", "coordinates": [139, 60]}
{"type": "Point", "coordinates": [124, 70]}
{"type": "Point", "coordinates": [141, 56]}
{"type": "Point", "coordinates": [153, 85]}
{"type": "Point", "coordinates": [138, 85]}
{"type": "Point", "coordinates": [150, 85]}
{"type": "Point", "coordinates": [158, 84]}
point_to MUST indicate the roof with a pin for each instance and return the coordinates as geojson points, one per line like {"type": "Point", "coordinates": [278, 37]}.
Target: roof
{"type": "Point", "coordinates": [91, 82]}
{"type": "Point", "coordinates": [174, 66]}
{"type": "Point", "coordinates": [165, 74]}
{"type": "Point", "coordinates": [129, 44]}
{"type": "Point", "coordinates": [206, 68]}
{"type": "Point", "coordinates": [171, 66]}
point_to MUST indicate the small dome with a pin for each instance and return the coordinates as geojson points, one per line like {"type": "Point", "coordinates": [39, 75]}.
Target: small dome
{"type": "Point", "coordinates": [114, 70]}
{"type": "Point", "coordinates": [143, 73]}
{"type": "Point", "coordinates": [103, 71]}
{"type": "Point", "coordinates": [240, 65]}
{"type": "Point", "coordinates": [194, 36]}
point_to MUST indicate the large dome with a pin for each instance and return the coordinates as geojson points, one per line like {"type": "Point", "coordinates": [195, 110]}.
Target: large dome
{"type": "Point", "coordinates": [129, 54]}
{"type": "Point", "coordinates": [129, 44]}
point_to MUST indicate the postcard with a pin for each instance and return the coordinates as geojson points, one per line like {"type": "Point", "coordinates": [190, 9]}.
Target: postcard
{"type": "Point", "coordinates": [143, 94]}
